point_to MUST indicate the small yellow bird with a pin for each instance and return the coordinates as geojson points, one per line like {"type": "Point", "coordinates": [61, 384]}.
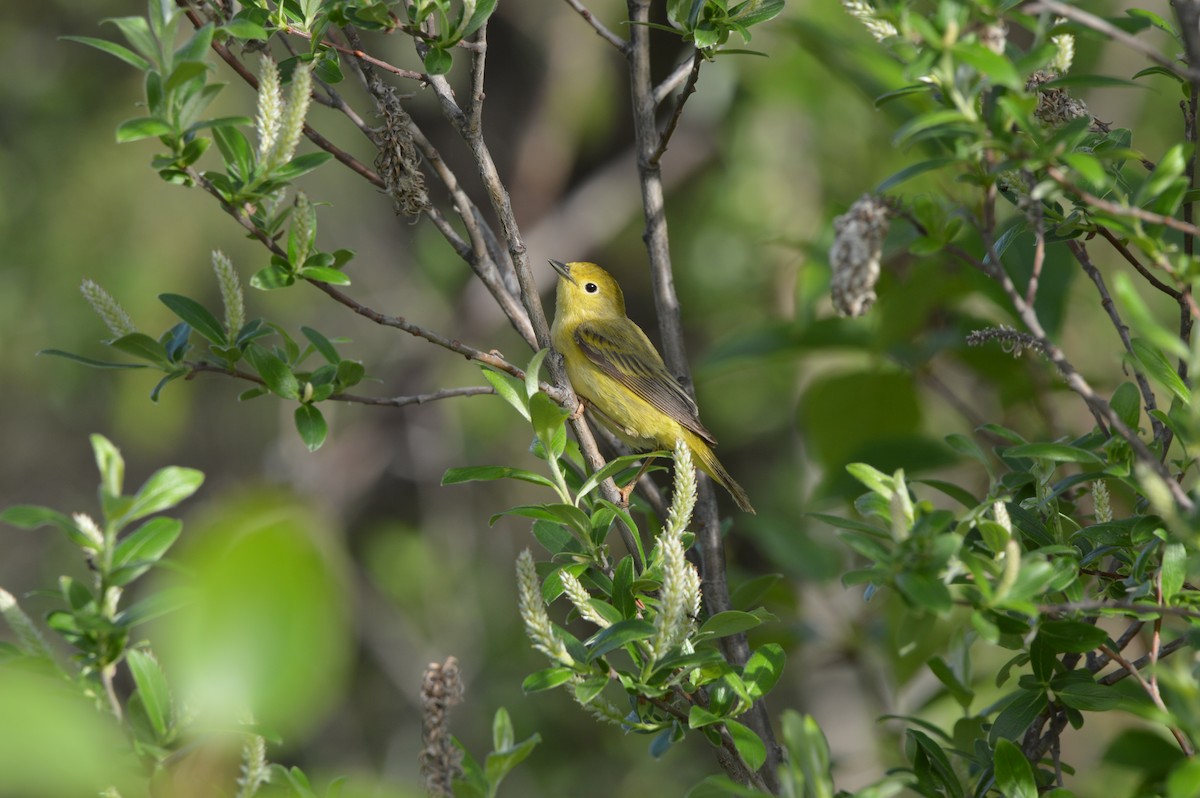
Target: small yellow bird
{"type": "Point", "coordinates": [615, 369]}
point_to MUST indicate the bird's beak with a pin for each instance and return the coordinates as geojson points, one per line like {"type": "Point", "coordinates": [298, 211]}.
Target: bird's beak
{"type": "Point", "coordinates": [563, 269]}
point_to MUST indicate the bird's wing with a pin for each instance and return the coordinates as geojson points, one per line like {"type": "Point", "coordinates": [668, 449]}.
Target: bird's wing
{"type": "Point", "coordinates": [622, 351]}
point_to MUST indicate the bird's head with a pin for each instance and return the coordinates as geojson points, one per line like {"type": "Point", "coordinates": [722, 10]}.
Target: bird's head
{"type": "Point", "coordinates": [587, 291]}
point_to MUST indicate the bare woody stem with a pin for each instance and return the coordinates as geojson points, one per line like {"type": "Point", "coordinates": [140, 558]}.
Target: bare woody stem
{"type": "Point", "coordinates": [689, 88]}
{"type": "Point", "coordinates": [712, 552]}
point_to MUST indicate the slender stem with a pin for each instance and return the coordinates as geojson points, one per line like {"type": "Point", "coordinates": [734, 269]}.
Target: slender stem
{"type": "Point", "coordinates": [689, 88]}
{"type": "Point", "coordinates": [715, 587]}
{"type": "Point", "coordinates": [1081, 254]}
{"type": "Point", "coordinates": [1184, 744]}
{"type": "Point", "coordinates": [1137, 264]}
{"type": "Point", "coordinates": [672, 82]}
{"type": "Point", "coordinates": [601, 30]}
{"type": "Point", "coordinates": [1121, 210]}
{"type": "Point", "coordinates": [1114, 33]}
{"type": "Point", "coordinates": [361, 56]}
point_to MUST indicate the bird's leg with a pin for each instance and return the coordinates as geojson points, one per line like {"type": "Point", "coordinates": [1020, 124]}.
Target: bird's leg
{"type": "Point", "coordinates": [628, 489]}
{"type": "Point", "coordinates": [580, 407]}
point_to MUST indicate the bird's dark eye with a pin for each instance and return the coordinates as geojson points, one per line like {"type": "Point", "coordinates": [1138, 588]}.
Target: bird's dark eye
{"type": "Point", "coordinates": [591, 288]}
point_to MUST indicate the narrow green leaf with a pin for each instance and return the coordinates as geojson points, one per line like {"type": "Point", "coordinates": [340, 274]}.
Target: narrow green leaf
{"type": "Point", "coordinates": [143, 346]}
{"type": "Point", "coordinates": [457, 476]}
{"type": "Point", "coordinates": [165, 488]}
{"type": "Point", "coordinates": [300, 165]}
{"type": "Point", "coordinates": [963, 694]}
{"type": "Point", "coordinates": [324, 274]}
{"type": "Point", "coordinates": [1174, 570]}
{"type": "Point", "coordinates": [546, 679]}
{"type": "Point", "coordinates": [1155, 364]}
{"type": "Point", "coordinates": [112, 48]}
{"type": "Point", "coordinates": [88, 361]}
{"type": "Point", "coordinates": [507, 388]}
{"type": "Point", "coordinates": [110, 464]}
{"type": "Point", "coordinates": [991, 66]}
{"type": "Point", "coordinates": [1016, 716]}
{"type": "Point", "coordinates": [196, 315]}
{"type": "Point", "coordinates": [616, 636]}
{"type": "Point", "coordinates": [152, 688]}
{"type": "Point", "coordinates": [533, 372]}
{"type": "Point", "coordinates": [748, 744]}
{"type": "Point", "coordinates": [143, 547]}
{"type": "Point", "coordinates": [1056, 452]}
{"type": "Point", "coordinates": [730, 622]}
{"type": "Point", "coordinates": [321, 344]}
{"type": "Point", "coordinates": [29, 516]}
{"type": "Point", "coordinates": [271, 277]}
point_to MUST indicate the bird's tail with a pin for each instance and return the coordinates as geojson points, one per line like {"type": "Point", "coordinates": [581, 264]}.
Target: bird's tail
{"type": "Point", "coordinates": [709, 464]}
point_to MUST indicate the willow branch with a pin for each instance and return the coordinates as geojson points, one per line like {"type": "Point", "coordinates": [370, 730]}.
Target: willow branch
{"type": "Point", "coordinates": [1111, 31]}
{"type": "Point", "coordinates": [601, 30]}
{"type": "Point", "coordinates": [366, 58]}
{"type": "Point", "coordinates": [1152, 691]}
{"type": "Point", "coordinates": [1115, 209]}
{"type": "Point", "coordinates": [689, 88]}
{"type": "Point", "coordinates": [715, 587]}
{"type": "Point", "coordinates": [1081, 255]}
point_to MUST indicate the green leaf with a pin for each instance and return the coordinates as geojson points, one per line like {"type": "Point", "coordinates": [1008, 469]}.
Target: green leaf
{"type": "Point", "coordinates": [502, 730]}
{"type": "Point", "coordinates": [722, 787]}
{"type": "Point", "coordinates": [730, 622]}
{"type": "Point", "coordinates": [88, 361]}
{"type": "Point", "coordinates": [457, 476]}
{"type": "Point", "coordinates": [483, 10]}
{"type": "Point", "coordinates": [925, 122]}
{"type": "Point", "coordinates": [165, 488]}
{"type": "Point", "coordinates": [1156, 366]}
{"type": "Point", "coordinates": [235, 150]}
{"type": "Point", "coordinates": [925, 591]}
{"type": "Point", "coordinates": [1089, 168]}
{"type": "Point", "coordinates": [242, 28]}
{"type": "Point", "coordinates": [1082, 693]}
{"type": "Point", "coordinates": [311, 425]}
{"type": "Point", "coordinates": [271, 277]}
{"type": "Point", "coordinates": [145, 347]}
{"type": "Point", "coordinates": [438, 61]}
{"type": "Point", "coordinates": [197, 316]}
{"type": "Point", "coordinates": [1184, 781]}
{"type": "Point", "coordinates": [763, 670]}
{"type": "Point", "coordinates": [991, 66]}
{"type": "Point", "coordinates": [1143, 320]}
{"type": "Point", "coordinates": [321, 344]}
{"type": "Point", "coordinates": [616, 636]}
{"type": "Point", "coordinates": [275, 373]}
{"type": "Point", "coordinates": [911, 171]}
{"type": "Point", "coordinates": [300, 165]}
{"type": "Point", "coordinates": [152, 688]}
{"type": "Point", "coordinates": [29, 516]}
{"type": "Point", "coordinates": [1170, 167]}
{"type": "Point", "coordinates": [324, 274]}
{"type": "Point", "coordinates": [1174, 570]}
{"type": "Point", "coordinates": [748, 744]}
{"type": "Point", "coordinates": [1126, 402]}
{"type": "Point", "coordinates": [1016, 716]}
{"type": "Point", "coordinates": [699, 717]}
{"type": "Point", "coordinates": [548, 422]}
{"type": "Point", "coordinates": [533, 372]}
{"type": "Point", "coordinates": [144, 127]}
{"type": "Point", "coordinates": [143, 547]}
{"type": "Point", "coordinates": [1071, 636]}
{"type": "Point", "coordinates": [963, 694]}
{"type": "Point", "coordinates": [1014, 774]}
{"type": "Point", "coordinates": [507, 388]}
{"type": "Point", "coordinates": [587, 689]}
{"type": "Point", "coordinates": [614, 467]}
{"type": "Point", "coordinates": [110, 464]}
{"type": "Point", "coordinates": [1056, 452]}
{"type": "Point", "coordinates": [546, 679]}
{"type": "Point", "coordinates": [112, 48]}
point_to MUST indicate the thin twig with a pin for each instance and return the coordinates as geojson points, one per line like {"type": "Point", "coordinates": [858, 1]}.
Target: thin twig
{"type": "Point", "coordinates": [601, 30]}
{"type": "Point", "coordinates": [715, 587]}
{"type": "Point", "coordinates": [1111, 31]}
{"type": "Point", "coordinates": [672, 82]}
{"type": "Point", "coordinates": [1081, 255]}
{"type": "Point", "coordinates": [204, 367]}
{"type": "Point", "coordinates": [1184, 744]}
{"type": "Point", "coordinates": [420, 77]}
{"type": "Point", "coordinates": [1137, 264]}
{"type": "Point", "coordinates": [689, 88]}
{"type": "Point", "coordinates": [1121, 210]}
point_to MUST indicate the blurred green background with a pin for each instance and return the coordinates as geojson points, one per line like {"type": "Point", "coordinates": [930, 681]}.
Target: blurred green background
{"type": "Point", "coordinates": [771, 149]}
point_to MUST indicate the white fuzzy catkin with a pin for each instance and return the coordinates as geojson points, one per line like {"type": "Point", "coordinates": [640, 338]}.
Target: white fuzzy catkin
{"type": "Point", "coordinates": [533, 611]}
{"type": "Point", "coordinates": [856, 253]}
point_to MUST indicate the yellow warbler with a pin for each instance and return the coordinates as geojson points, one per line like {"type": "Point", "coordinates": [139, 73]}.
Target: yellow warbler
{"type": "Point", "coordinates": [615, 369]}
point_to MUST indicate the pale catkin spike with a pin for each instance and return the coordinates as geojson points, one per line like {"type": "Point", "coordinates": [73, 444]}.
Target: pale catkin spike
{"type": "Point", "coordinates": [304, 221]}
{"type": "Point", "coordinates": [440, 759]}
{"type": "Point", "coordinates": [1000, 511]}
{"type": "Point", "coordinates": [1100, 500]}
{"type": "Point", "coordinates": [865, 13]}
{"type": "Point", "coordinates": [1064, 54]}
{"type": "Point", "coordinates": [270, 107]}
{"type": "Point", "coordinates": [579, 597]}
{"type": "Point", "coordinates": [680, 594]}
{"type": "Point", "coordinates": [90, 529]}
{"type": "Point", "coordinates": [231, 293]}
{"type": "Point", "coordinates": [533, 612]}
{"type": "Point", "coordinates": [29, 639]}
{"type": "Point", "coordinates": [599, 707]}
{"type": "Point", "coordinates": [108, 309]}
{"type": "Point", "coordinates": [255, 771]}
{"type": "Point", "coordinates": [295, 111]}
